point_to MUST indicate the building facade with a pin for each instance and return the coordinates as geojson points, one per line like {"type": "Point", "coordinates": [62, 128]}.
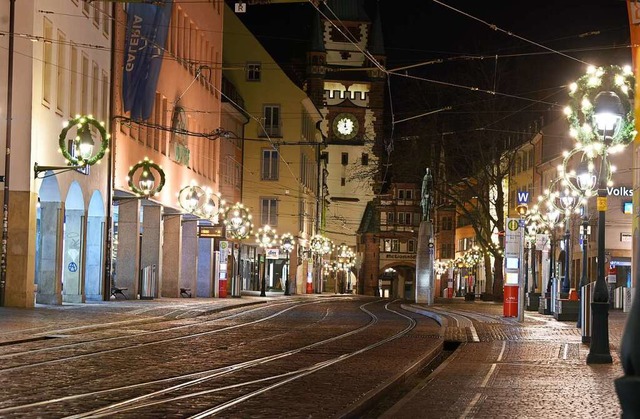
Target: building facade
{"type": "Point", "coordinates": [61, 67]}
{"type": "Point", "coordinates": [281, 161]}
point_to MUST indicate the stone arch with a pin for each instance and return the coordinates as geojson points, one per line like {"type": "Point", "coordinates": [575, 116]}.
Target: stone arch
{"type": "Point", "coordinates": [49, 227]}
{"type": "Point", "coordinates": [73, 245]}
{"type": "Point", "coordinates": [94, 258]}
{"type": "Point", "coordinates": [403, 281]}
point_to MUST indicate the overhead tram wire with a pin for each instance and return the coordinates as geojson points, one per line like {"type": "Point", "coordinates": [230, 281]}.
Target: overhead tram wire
{"type": "Point", "coordinates": [497, 28]}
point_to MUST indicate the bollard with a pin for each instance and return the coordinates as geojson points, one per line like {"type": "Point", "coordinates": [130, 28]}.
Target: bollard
{"type": "Point", "coordinates": [585, 309]}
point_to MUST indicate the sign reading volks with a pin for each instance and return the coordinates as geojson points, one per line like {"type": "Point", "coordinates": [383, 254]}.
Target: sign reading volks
{"type": "Point", "coordinates": [620, 191]}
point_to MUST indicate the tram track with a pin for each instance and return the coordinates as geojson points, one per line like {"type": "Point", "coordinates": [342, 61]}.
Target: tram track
{"type": "Point", "coordinates": [246, 386]}
{"type": "Point", "coordinates": [135, 337]}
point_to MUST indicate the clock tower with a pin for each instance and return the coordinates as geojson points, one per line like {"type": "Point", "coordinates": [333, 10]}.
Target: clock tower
{"type": "Point", "coordinates": [344, 81]}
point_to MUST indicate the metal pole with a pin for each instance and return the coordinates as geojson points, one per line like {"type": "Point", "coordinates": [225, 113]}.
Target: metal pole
{"type": "Point", "coordinates": [533, 269]}
{"type": "Point", "coordinates": [583, 277]}
{"type": "Point", "coordinates": [599, 350]}
{"type": "Point", "coordinates": [263, 283]}
{"type": "Point", "coordinates": [286, 281]}
{"type": "Point", "coordinates": [7, 155]}
{"type": "Point", "coordinates": [566, 284]}
{"type": "Point", "coordinates": [521, 288]}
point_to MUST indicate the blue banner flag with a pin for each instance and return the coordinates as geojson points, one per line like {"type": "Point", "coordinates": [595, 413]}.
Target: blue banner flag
{"type": "Point", "coordinates": [147, 28]}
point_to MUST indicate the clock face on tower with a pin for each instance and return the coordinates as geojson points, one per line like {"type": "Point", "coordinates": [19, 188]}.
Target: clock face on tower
{"type": "Point", "coordinates": [345, 126]}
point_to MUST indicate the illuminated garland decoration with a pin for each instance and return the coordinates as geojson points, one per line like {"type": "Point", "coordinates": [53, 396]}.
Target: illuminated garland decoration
{"type": "Point", "coordinates": [583, 92]}
{"type": "Point", "coordinates": [82, 122]}
{"type": "Point", "coordinates": [146, 165]}
{"type": "Point", "coordinates": [237, 222]}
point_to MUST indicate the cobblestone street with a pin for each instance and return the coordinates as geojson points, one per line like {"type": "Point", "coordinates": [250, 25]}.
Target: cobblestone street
{"type": "Point", "coordinates": [305, 356]}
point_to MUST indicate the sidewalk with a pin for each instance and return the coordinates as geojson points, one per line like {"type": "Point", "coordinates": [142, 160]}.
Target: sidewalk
{"type": "Point", "coordinates": [530, 370]}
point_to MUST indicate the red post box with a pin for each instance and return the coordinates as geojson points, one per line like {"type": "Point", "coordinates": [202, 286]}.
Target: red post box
{"type": "Point", "coordinates": [222, 288]}
{"type": "Point", "coordinates": [510, 308]}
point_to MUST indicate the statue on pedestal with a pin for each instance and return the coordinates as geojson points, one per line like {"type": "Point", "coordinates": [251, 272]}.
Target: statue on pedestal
{"type": "Point", "coordinates": [427, 195]}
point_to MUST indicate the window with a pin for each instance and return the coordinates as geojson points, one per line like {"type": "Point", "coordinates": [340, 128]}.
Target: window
{"type": "Point", "coordinates": [86, 7]}
{"type": "Point", "coordinates": [411, 246]}
{"type": "Point", "coordinates": [95, 85]}
{"type": "Point", "coordinates": [105, 18]}
{"type": "Point", "coordinates": [47, 57]}
{"type": "Point", "coordinates": [345, 159]}
{"type": "Point", "coordinates": [253, 71]}
{"type": "Point", "coordinates": [60, 75]}
{"type": "Point", "coordinates": [105, 96]}
{"type": "Point", "coordinates": [365, 159]}
{"type": "Point", "coordinates": [269, 164]}
{"type": "Point", "coordinates": [447, 223]}
{"type": "Point", "coordinates": [343, 181]}
{"type": "Point", "coordinates": [73, 86]}
{"type": "Point", "coordinates": [409, 194]}
{"type": "Point", "coordinates": [96, 14]}
{"type": "Point", "coordinates": [400, 193]}
{"type": "Point", "coordinates": [404, 218]}
{"type": "Point", "coordinates": [532, 157]}
{"type": "Point", "coordinates": [84, 89]}
{"type": "Point", "coordinates": [390, 218]}
{"type": "Point", "coordinates": [391, 245]}
{"type": "Point", "coordinates": [272, 120]}
{"type": "Point", "coordinates": [269, 211]}
{"type": "Point", "coordinates": [446, 252]}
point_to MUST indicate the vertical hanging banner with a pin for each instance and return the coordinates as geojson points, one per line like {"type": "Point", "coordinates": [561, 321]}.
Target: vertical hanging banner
{"type": "Point", "coordinates": [147, 28]}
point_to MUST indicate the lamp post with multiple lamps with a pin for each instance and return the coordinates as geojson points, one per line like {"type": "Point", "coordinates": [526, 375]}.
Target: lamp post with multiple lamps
{"type": "Point", "coordinates": [320, 246]}
{"type": "Point", "coordinates": [287, 242]}
{"type": "Point", "coordinates": [345, 257]}
{"type": "Point", "coordinates": [544, 219]}
{"type": "Point", "coordinates": [238, 226]}
{"type": "Point", "coordinates": [582, 180]}
{"type": "Point", "coordinates": [266, 237]}
{"type": "Point", "coordinates": [601, 120]}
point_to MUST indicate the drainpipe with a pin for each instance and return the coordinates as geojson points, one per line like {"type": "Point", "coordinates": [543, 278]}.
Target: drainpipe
{"type": "Point", "coordinates": [7, 156]}
{"type": "Point", "coordinates": [106, 281]}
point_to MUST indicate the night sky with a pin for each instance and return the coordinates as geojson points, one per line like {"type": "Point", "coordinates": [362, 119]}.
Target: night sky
{"type": "Point", "coordinates": [417, 31]}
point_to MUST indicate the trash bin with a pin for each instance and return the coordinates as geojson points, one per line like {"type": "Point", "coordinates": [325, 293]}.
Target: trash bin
{"type": "Point", "coordinates": [510, 308]}
{"type": "Point", "coordinates": [148, 282]}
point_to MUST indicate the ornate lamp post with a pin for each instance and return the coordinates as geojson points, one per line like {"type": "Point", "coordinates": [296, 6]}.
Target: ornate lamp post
{"type": "Point", "coordinates": [319, 246]}
{"type": "Point", "coordinates": [601, 119]}
{"type": "Point", "coordinates": [265, 237]}
{"type": "Point", "coordinates": [584, 180]}
{"type": "Point", "coordinates": [238, 226]}
{"type": "Point", "coordinates": [287, 242]}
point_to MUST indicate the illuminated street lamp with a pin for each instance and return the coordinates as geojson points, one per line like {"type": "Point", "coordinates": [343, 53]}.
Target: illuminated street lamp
{"type": "Point", "coordinates": [602, 121]}
{"type": "Point", "coordinates": [238, 226]}
{"type": "Point", "coordinates": [200, 202]}
{"type": "Point", "coordinates": [287, 242]}
{"type": "Point", "coordinates": [266, 237]}
{"type": "Point", "coordinates": [78, 151]}
{"type": "Point", "coordinates": [146, 186]}
{"type": "Point", "coordinates": [319, 246]}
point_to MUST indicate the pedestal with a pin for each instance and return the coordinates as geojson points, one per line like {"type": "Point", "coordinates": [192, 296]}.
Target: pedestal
{"type": "Point", "coordinates": [424, 265]}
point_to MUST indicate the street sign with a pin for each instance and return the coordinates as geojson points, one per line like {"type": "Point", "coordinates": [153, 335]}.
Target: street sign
{"type": "Point", "coordinates": [209, 232]}
{"type": "Point", "coordinates": [522, 197]}
{"type": "Point", "coordinates": [601, 203]}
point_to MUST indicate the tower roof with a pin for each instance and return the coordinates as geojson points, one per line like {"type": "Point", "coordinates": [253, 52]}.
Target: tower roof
{"type": "Point", "coordinates": [352, 10]}
{"type": "Point", "coordinates": [377, 40]}
{"type": "Point", "coordinates": [317, 34]}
